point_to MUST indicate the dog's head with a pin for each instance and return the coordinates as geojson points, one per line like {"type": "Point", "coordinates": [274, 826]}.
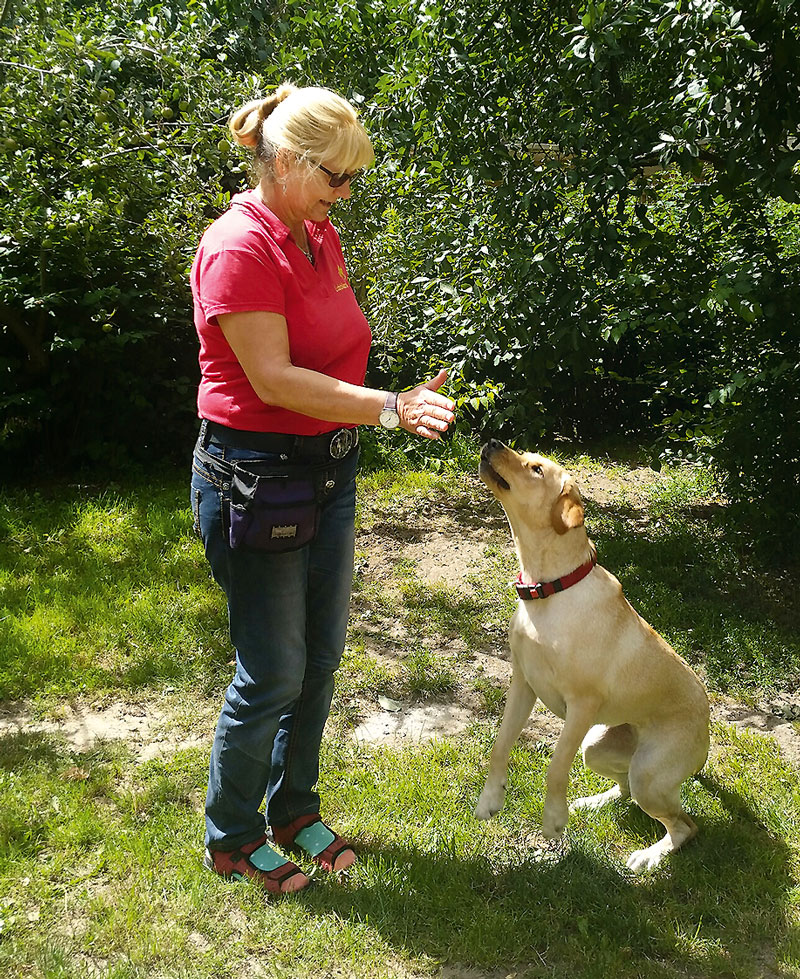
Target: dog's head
{"type": "Point", "coordinates": [534, 491]}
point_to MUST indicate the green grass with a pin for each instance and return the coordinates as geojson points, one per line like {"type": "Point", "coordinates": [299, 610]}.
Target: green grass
{"type": "Point", "coordinates": [105, 595]}
{"type": "Point", "coordinates": [99, 869]}
{"type": "Point", "coordinates": [104, 590]}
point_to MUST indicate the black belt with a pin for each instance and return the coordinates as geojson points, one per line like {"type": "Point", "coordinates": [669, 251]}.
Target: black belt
{"type": "Point", "coordinates": [330, 445]}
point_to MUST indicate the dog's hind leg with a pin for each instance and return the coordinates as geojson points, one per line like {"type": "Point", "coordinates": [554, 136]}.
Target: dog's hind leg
{"type": "Point", "coordinates": [519, 704]}
{"type": "Point", "coordinates": [656, 773]}
{"type": "Point", "coordinates": [608, 752]}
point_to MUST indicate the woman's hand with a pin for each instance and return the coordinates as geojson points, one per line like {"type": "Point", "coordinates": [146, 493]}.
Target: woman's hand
{"type": "Point", "coordinates": [424, 411]}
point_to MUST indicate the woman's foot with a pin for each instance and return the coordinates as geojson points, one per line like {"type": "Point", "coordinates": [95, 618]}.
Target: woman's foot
{"type": "Point", "coordinates": [309, 835]}
{"type": "Point", "coordinates": [260, 863]}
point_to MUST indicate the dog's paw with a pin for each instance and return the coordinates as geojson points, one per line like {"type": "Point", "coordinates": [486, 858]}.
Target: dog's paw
{"type": "Point", "coordinates": [553, 831]}
{"type": "Point", "coordinates": [488, 804]}
{"type": "Point", "coordinates": [642, 861]}
{"type": "Point", "coordinates": [596, 801]}
{"type": "Point", "coordinates": [554, 821]}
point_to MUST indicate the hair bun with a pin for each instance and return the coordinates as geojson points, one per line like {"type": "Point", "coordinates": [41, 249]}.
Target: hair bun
{"type": "Point", "coordinates": [270, 103]}
{"type": "Point", "coordinates": [245, 123]}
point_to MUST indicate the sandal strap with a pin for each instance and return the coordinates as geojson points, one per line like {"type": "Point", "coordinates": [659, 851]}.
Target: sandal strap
{"type": "Point", "coordinates": [332, 851]}
{"type": "Point", "coordinates": [269, 860]}
{"type": "Point", "coordinates": [309, 834]}
{"type": "Point", "coordinates": [285, 835]}
{"type": "Point", "coordinates": [315, 838]}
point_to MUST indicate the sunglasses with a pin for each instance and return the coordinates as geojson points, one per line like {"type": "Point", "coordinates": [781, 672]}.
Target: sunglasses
{"type": "Point", "coordinates": [337, 179]}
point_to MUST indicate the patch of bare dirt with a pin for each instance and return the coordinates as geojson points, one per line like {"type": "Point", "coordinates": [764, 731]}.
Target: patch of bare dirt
{"type": "Point", "coordinates": [443, 544]}
{"type": "Point", "coordinates": [765, 722]}
{"type": "Point", "coordinates": [145, 728]}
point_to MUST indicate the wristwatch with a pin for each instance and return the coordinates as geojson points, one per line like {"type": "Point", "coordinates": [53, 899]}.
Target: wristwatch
{"type": "Point", "coordinates": [389, 417]}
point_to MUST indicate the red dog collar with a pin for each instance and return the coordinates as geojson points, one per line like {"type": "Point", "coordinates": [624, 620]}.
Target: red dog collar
{"type": "Point", "coordinates": [543, 589]}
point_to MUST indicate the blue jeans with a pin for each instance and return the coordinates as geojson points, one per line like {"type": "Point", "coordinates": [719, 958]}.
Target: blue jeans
{"type": "Point", "coordinates": [288, 623]}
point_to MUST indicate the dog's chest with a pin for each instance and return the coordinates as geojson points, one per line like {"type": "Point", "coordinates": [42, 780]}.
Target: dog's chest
{"type": "Point", "coordinates": [538, 653]}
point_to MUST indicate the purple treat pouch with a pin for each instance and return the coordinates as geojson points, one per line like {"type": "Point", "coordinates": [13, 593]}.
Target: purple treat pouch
{"type": "Point", "coordinates": [273, 508]}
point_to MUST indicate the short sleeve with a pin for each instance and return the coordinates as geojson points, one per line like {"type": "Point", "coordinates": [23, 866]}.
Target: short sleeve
{"type": "Point", "coordinates": [235, 280]}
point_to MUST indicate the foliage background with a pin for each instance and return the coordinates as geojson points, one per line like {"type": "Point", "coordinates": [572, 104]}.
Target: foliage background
{"type": "Point", "coordinates": [589, 211]}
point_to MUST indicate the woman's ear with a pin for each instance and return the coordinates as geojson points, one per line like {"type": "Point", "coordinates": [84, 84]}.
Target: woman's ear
{"type": "Point", "coordinates": [567, 512]}
{"type": "Point", "coordinates": [283, 162]}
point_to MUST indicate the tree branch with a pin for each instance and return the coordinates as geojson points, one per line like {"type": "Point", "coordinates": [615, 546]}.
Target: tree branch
{"type": "Point", "coordinates": [30, 338]}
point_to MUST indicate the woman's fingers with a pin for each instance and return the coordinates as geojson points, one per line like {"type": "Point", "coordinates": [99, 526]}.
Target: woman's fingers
{"type": "Point", "coordinates": [436, 406]}
{"type": "Point", "coordinates": [424, 411]}
{"type": "Point", "coordinates": [428, 421]}
{"type": "Point", "coordinates": [426, 431]}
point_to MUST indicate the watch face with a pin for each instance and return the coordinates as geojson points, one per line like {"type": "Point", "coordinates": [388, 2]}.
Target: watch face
{"type": "Point", "coordinates": [389, 418]}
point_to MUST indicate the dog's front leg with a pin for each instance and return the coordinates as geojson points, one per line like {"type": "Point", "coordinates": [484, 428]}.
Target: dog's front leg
{"type": "Point", "coordinates": [580, 717]}
{"type": "Point", "coordinates": [519, 704]}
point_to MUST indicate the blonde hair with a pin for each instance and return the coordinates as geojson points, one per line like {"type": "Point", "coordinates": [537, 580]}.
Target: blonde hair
{"type": "Point", "coordinates": [313, 123]}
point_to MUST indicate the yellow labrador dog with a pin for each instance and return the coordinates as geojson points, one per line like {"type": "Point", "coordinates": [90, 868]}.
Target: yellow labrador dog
{"type": "Point", "coordinates": [637, 708]}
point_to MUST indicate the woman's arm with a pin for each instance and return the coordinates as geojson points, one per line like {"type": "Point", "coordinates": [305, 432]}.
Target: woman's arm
{"type": "Point", "coordinates": [260, 341]}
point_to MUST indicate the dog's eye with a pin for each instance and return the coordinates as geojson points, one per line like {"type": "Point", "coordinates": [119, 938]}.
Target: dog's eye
{"type": "Point", "coordinates": [537, 469]}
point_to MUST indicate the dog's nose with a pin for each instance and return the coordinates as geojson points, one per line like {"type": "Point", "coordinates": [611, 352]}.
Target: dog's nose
{"type": "Point", "coordinates": [493, 445]}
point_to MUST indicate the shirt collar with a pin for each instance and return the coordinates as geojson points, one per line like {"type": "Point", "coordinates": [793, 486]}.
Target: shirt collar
{"type": "Point", "coordinates": [249, 200]}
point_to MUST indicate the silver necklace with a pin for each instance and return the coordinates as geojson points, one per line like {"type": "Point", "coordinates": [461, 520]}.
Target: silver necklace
{"type": "Point", "coordinates": [306, 250]}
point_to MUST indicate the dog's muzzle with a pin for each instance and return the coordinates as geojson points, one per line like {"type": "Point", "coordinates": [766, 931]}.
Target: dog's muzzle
{"type": "Point", "coordinates": [487, 470]}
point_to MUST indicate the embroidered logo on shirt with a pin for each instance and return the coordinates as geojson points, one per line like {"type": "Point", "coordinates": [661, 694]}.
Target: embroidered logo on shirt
{"type": "Point", "coordinates": [342, 275]}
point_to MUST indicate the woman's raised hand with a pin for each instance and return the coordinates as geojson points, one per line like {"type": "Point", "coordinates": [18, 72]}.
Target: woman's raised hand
{"type": "Point", "coordinates": [424, 411]}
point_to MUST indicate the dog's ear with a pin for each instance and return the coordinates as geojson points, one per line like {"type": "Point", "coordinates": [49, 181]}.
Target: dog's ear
{"type": "Point", "coordinates": [567, 511]}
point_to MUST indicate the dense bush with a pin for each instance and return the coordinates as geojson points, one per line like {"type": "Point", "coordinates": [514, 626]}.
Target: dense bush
{"type": "Point", "coordinates": [614, 253]}
{"type": "Point", "coordinates": [110, 161]}
{"type": "Point", "coordinates": [589, 212]}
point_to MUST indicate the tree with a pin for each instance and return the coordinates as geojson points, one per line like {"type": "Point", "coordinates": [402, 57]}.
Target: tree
{"type": "Point", "coordinates": [620, 249]}
{"type": "Point", "coordinates": [588, 210]}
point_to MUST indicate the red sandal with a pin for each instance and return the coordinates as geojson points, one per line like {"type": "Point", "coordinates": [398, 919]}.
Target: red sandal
{"type": "Point", "coordinates": [309, 835]}
{"type": "Point", "coordinates": [259, 862]}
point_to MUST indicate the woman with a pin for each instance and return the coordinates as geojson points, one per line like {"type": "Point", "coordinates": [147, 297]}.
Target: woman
{"type": "Point", "coordinates": [283, 354]}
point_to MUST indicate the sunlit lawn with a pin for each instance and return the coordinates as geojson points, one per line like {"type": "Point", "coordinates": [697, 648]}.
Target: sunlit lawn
{"type": "Point", "coordinates": [106, 595]}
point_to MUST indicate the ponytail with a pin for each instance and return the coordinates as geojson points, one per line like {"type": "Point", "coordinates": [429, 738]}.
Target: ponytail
{"type": "Point", "coordinates": [245, 124]}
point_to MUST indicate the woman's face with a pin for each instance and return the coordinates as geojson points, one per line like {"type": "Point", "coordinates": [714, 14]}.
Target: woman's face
{"type": "Point", "coordinates": [309, 197]}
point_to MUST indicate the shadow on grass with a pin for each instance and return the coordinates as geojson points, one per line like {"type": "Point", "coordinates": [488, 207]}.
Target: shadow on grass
{"type": "Point", "coordinates": [693, 537]}
{"type": "Point", "coordinates": [716, 907]}
{"type": "Point", "coordinates": [21, 749]}
{"type": "Point", "coordinates": [690, 579]}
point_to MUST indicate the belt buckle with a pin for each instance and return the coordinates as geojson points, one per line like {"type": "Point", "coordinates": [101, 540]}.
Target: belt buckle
{"type": "Point", "coordinates": [342, 442]}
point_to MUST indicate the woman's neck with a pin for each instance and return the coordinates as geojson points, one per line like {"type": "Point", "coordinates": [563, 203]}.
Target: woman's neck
{"type": "Point", "coordinates": [271, 195]}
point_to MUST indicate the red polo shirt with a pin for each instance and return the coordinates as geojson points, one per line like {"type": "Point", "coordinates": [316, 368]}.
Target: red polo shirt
{"type": "Point", "coordinates": [247, 261]}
